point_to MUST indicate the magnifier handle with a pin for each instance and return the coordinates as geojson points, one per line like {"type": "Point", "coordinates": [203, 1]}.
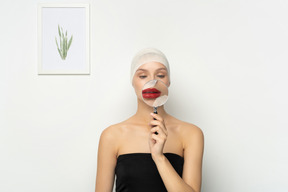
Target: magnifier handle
{"type": "Point", "coordinates": [155, 111]}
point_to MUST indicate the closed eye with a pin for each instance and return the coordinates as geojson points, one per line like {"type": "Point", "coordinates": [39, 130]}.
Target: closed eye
{"type": "Point", "coordinates": [142, 76]}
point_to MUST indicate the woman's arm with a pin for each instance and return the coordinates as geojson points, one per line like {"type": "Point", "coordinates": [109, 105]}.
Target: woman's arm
{"type": "Point", "coordinates": [193, 155]}
{"type": "Point", "coordinates": [193, 141]}
{"type": "Point", "coordinates": [107, 158]}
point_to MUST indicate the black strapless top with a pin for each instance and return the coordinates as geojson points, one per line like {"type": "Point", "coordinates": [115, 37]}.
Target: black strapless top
{"type": "Point", "coordinates": [137, 172]}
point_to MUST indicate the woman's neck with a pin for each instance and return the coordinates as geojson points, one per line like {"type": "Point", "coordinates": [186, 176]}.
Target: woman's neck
{"type": "Point", "coordinates": [143, 112]}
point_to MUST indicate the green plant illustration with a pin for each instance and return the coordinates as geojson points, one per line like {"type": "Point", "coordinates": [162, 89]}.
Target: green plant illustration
{"type": "Point", "coordinates": [64, 43]}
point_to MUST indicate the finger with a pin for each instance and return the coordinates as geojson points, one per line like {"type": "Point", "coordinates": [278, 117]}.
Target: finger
{"type": "Point", "coordinates": [155, 122]}
{"type": "Point", "coordinates": [159, 138]}
{"type": "Point", "coordinates": [157, 116]}
{"type": "Point", "coordinates": [159, 124]}
{"type": "Point", "coordinates": [151, 140]}
{"type": "Point", "coordinates": [155, 130]}
{"type": "Point", "coordinates": [159, 130]}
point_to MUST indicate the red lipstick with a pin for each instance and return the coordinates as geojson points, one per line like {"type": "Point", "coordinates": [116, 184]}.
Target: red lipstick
{"type": "Point", "coordinates": [151, 93]}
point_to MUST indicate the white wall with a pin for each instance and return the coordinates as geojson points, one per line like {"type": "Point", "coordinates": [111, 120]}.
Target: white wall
{"type": "Point", "coordinates": [229, 76]}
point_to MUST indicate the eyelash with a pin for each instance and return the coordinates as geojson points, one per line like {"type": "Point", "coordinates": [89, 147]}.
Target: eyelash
{"type": "Point", "coordinates": [144, 76]}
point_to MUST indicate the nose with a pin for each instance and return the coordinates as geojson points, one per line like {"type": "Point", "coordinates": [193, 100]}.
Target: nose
{"type": "Point", "coordinates": [150, 83]}
{"type": "Point", "coordinates": [150, 78]}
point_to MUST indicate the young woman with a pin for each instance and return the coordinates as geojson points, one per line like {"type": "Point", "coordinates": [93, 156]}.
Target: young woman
{"type": "Point", "coordinates": [143, 160]}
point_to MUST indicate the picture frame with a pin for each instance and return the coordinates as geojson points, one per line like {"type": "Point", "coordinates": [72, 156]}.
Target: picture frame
{"type": "Point", "coordinates": [63, 39]}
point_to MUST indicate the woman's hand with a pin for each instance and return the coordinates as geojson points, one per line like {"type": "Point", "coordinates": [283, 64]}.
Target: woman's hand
{"type": "Point", "coordinates": [158, 136]}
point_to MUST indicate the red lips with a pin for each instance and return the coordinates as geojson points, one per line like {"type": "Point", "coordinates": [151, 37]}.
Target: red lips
{"type": "Point", "coordinates": [151, 93]}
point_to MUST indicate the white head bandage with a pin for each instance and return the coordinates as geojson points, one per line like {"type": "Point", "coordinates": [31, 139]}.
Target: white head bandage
{"type": "Point", "coordinates": [147, 55]}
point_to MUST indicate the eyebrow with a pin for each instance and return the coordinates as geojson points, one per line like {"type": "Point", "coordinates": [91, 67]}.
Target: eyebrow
{"type": "Point", "coordinates": [163, 68]}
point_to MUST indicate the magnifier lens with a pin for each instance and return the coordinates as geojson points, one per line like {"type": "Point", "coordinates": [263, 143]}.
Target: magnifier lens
{"type": "Point", "coordinates": [155, 93]}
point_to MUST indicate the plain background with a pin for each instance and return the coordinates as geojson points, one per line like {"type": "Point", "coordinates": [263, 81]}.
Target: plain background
{"type": "Point", "coordinates": [229, 77]}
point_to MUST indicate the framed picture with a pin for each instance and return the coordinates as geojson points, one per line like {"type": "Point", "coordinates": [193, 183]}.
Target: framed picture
{"type": "Point", "coordinates": [63, 39]}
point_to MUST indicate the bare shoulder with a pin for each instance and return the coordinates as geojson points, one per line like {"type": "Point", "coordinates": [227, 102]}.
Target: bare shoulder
{"type": "Point", "coordinates": [184, 127]}
{"type": "Point", "coordinates": [110, 139]}
{"type": "Point", "coordinates": [190, 129]}
{"type": "Point", "coordinates": [112, 132]}
{"type": "Point", "coordinates": [187, 131]}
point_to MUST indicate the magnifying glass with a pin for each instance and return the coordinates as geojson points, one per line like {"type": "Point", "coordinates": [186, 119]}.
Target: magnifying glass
{"type": "Point", "coordinates": [155, 93]}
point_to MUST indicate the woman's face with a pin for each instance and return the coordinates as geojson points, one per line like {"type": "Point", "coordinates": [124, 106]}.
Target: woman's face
{"type": "Point", "coordinates": [147, 72]}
